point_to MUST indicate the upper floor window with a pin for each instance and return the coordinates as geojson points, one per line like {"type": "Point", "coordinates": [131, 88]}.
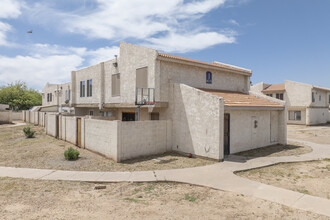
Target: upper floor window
{"type": "Point", "coordinates": [91, 112]}
{"type": "Point", "coordinates": [49, 97]}
{"type": "Point", "coordinates": [89, 88]}
{"type": "Point", "coordinates": [270, 95]}
{"type": "Point", "coordinates": [67, 95]}
{"type": "Point", "coordinates": [313, 97]}
{"type": "Point", "coordinates": [279, 96]}
{"type": "Point", "coordinates": [82, 88]}
{"type": "Point", "coordinates": [320, 97]}
{"type": "Point", "coordinates": [208, 77]}
{"type": "Point", "coordinates": [115, 84]}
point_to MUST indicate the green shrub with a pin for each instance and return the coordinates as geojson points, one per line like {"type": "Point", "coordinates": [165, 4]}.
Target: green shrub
{"type": "Point", "coordinates": [28, 132]}
{"type": "Point", "coordinates": [71, 154]}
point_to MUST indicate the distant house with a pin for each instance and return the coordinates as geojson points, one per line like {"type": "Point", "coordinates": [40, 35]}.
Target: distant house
{"type": "Point", "coordinates": [56, 97]}
{"type": "Point", "coordinates": [306, 104]}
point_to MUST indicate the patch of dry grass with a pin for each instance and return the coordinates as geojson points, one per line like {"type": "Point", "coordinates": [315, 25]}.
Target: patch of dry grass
{"type": "Point", "coordinates": [46, 152]}
{"type": "Point", "coordinates": [37, 199]}
{"type": "Point", "coordinates": [311, 177]}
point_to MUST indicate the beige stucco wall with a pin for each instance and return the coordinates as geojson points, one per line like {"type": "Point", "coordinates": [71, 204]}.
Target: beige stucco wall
{"type": "Point", "coordinates": [5, 117]}
{"type": "Point", "coordinates": [17, 116]}
{"type": "Point", "coordinates": [101, 136]}
{"type": "Point", "coordinates": [145, 138]}
{"type": "Point", "coordinates": [316, 116]}
{"type": "Point", "coordinates": [243, 135]}
{"type": "Point", "coordinates": [297, 94]}
{"type": "Point", "coordinates": [133, 57]}
{"type": "Point", "coordinates": [196, 77]}
{"type": "Point", "coordinates": [91, 72]}
{"type": "Point", "coordinates": [197, 118]}
{"type": "Point", "coordinates": [324, 102]}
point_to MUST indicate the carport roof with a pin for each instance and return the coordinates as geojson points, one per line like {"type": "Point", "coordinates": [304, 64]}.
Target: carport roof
{"type": "Point", "coordinates": [275, 87]}
{"type": "Point", "coordinates": [238, 99]}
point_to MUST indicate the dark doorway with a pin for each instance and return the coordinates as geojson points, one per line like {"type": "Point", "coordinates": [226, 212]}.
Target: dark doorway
{"type": "Point", "coordinates": [226, 137]}
{"type": "Point", "coordinates": [128, 116]}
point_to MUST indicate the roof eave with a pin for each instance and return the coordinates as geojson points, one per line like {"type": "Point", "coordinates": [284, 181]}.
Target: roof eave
{"type": "Point", "coordinates": [202, 65]}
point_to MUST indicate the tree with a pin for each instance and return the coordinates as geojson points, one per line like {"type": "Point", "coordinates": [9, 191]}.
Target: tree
{"type": "Point", "coordinates": [19, 97]}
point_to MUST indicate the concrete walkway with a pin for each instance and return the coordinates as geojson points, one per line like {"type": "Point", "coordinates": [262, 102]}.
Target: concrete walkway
{"type": "Point", "coordinates": [218, 176]}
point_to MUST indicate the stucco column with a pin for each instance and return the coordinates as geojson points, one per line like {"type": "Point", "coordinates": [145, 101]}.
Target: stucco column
{"type": "Point", "coordinates": [73, 88]}
{"type": "Point", "coordinates": [102, 90]}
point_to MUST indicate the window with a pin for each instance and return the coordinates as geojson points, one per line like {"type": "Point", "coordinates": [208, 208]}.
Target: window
{"type": "Point", "coordinates": [142, 77]}
{"type": "Point", "coordinates": [49, 97]}
{"type": "Point", "coordinates": [320, 97]}
{"type": "Point", "coordinates": [67, 95]}
{"type": "Point", "coordinates": [270, 95]}
{"type": "Point", "coordinates": [89, 88]}
{"type": "Point", "coordinates": [115, 84]}
{"type": "Point", "coordinates": [313, 97]}
{"type": "Point", "coordinates": [82, 88]}
{"type": "Point", "coordinates": [154, 116]}
{"type": "Point", "coordinates": [107, 114]}
{"type": "Point", "coordinates": [208, 77]}
{"type": "Point", "coordinates": [91, 112]}
{"type": "Point", "coordinates": [329, 98]}
{"type": "Point", "coordinates": [128, 116]}
{"type": "Point", "coordinates": [279, 96]}
{"type": "Point", "coordinates": [295, 115]}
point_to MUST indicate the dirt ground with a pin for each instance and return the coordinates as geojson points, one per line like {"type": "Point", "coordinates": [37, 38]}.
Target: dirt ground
{"type": "Point", "coordinates": [311, 178]}
{"type": "Point", "coordinates": [46, 152]}
{"type": "Point", "coordinates": [38, 199]}
{"type": "Point", "coordinates": [277, 151]}
{"type": "Point", "coordinates": [316, 134]}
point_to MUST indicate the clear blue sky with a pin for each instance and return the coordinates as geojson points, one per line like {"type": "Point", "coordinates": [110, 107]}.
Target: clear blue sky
{"type": "Point", "coordinates": [277, 39]}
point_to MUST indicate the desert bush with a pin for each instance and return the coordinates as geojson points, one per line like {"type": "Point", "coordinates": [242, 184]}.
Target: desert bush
{"type": "Point", "coordinates": [28, 132]}
{"type": "Point", "coordinates": [71, 154]}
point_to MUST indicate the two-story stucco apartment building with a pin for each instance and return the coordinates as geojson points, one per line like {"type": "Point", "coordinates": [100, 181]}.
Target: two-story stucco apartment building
{"type": "Point", "coordinates": [209, 105]}
{"type": "Point", "coordinates": [306, 104]}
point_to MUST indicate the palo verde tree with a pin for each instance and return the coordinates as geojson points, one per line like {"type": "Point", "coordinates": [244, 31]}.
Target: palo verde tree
{"type": "Point", "coordinates": [19, 97]}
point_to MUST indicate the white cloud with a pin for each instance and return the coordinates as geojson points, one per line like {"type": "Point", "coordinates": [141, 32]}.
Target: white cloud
{"type": "Point", "coordinates": [36, 71]}
{"type": "Point", "coordinates": [50, 63]}
{"type": "Point", "coordinates": [144, 21]}
{"type": "Point", "coordinates": [182, 43]}
{"type": "Point", "coordinates": [4, 28]}
{"type": "Point", "coordinates": [233, 22]}
{"type": "Point", "coordinates": [10, 8]}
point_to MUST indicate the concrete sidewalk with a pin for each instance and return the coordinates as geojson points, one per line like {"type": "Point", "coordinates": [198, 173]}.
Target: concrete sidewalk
{"type": "Point", "coordinates": [218, 176]}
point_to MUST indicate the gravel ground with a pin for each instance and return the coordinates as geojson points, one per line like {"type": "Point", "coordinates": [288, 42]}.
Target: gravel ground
{"type": "Point", "coordinates": [46, 152]}
{"type": "Point", "coordinates": [38, 199]}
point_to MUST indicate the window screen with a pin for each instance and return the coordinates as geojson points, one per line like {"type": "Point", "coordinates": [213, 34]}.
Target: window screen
{"type": "Point", "coordinates": [115, 85]}
{"type": "Point", "coordinates": [142, 77]}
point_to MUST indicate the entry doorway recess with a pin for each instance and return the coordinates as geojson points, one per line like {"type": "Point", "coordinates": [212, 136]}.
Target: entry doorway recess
{"type": "Point", "coordinates": [226, 136]}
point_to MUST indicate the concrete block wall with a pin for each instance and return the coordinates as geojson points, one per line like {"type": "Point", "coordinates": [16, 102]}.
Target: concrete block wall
{"type": "Point", "coordinates": [142, 138]}
{"type": "Point", "coordinates": [101, 136]}
{"type": "Point", "coordinates": [197, 118]}
{"type": "Point", "coordinates": [17, 116]}
{"type": "Point", "coordinates": [51, 125]}
{"type": "Point", "coordinates": [68, 129]}
{"type": "Point", "coordinates": [5, 117]}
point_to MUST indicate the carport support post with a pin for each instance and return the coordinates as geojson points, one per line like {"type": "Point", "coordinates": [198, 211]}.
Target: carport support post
{"type": "Point", "coordinates": [138, 113]}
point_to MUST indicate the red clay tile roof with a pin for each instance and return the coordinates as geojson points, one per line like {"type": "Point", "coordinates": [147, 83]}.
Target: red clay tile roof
{"type": "Point", "coordinates": [238, 99]}
{"type": "Point", "coordinates": [275, 87]}
{"type": "Point", "coordinates": [229, 67]}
